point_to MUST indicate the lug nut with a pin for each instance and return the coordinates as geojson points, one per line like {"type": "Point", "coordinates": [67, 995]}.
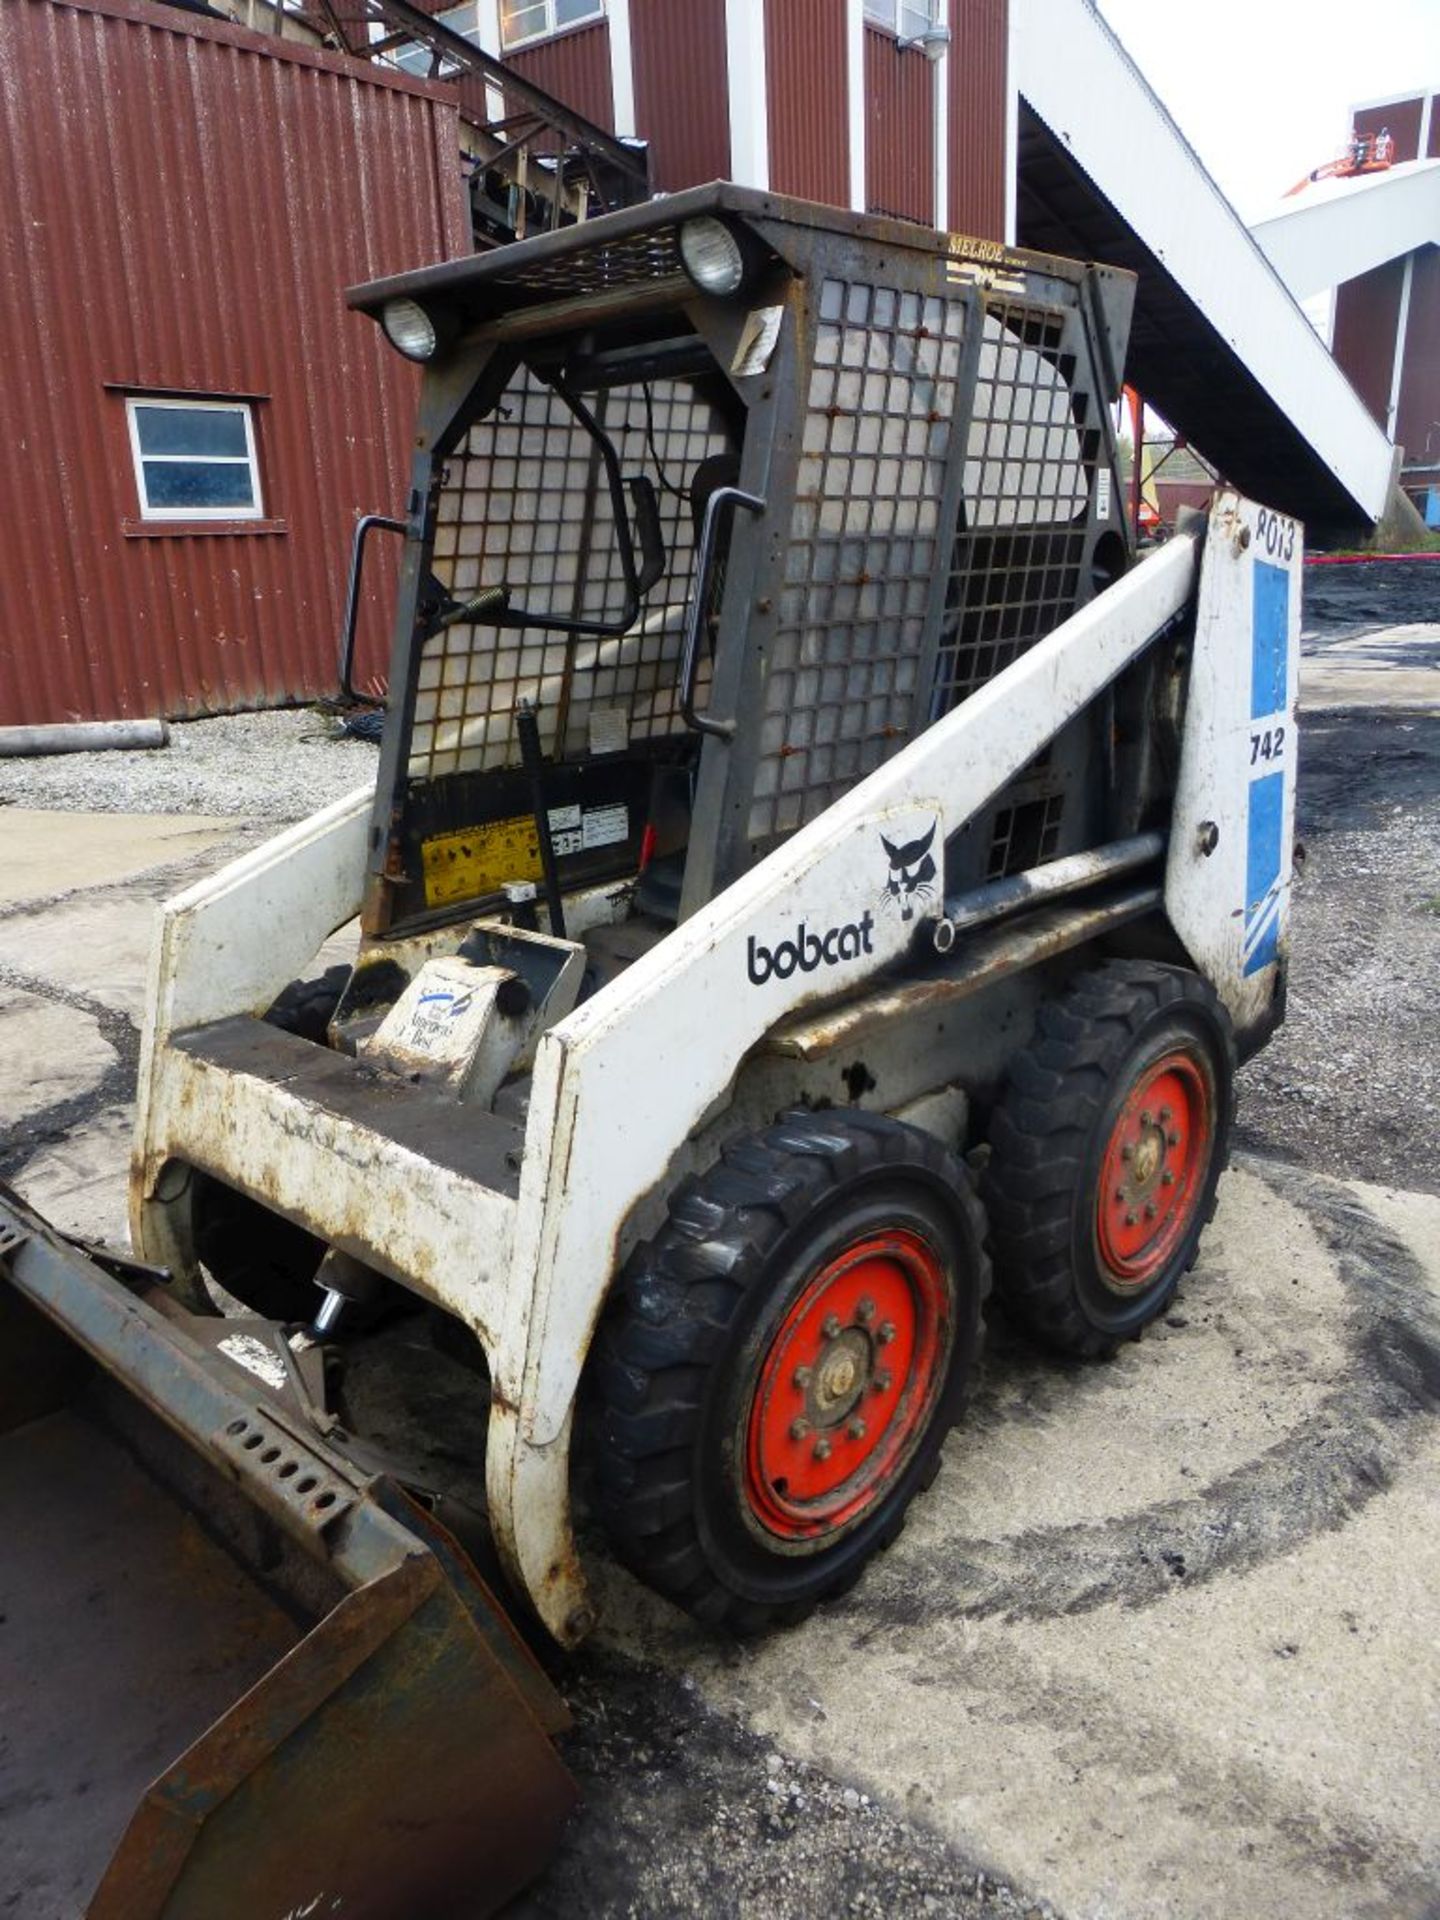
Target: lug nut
{"type": "Point", "coordinates": [1172, 1139]}
{"type": "Point", "coordinates": [801, 1377]}
{"type": "Point", "coordinates": [856, 1429]}
{"type": "Point", "coordinates": [1167, 1178]}
{"type": "Point", "coordinates": [1130, 1219]}
{"type": "Point", "coordinates": [886, 1333]}
{"type": "Point", "coordinates": [799, 1429]}
{"type": "Point", "coordinates": [1166, 1116]}
{"type": "Point", "coordinates": [1127, 1152]}
{"type": "Point", "coordinates": [822, 1449]}
{"type": "Point", "coordinates": [1119, 1193]}
{"type": "Point", "coordinates": [865, 1311]}
{"type": "Point", "coordinates": [831, 1327]}
{"type": "Point", "coordinates": [1146, 1117]}
{"type": "Point", "coordinates": [881, 1383]}
{"type": "Point", "coordinates": [1150, 1209]}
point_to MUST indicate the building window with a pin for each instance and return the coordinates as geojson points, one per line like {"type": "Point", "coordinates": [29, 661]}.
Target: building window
{"type": "Point", "coordinates": [522, 21]}
{"type": "Point", "coordinates": [417, 59]}
{"type": "Point", "coordinates": [195, 459]}
{"type": "Point", "coordinates": [907, 19]}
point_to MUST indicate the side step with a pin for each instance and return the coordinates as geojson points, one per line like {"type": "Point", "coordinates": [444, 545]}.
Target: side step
{"type": "Point", "coordinates": [396, 1758]}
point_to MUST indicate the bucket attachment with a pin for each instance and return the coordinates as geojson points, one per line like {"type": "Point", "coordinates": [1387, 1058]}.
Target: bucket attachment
{"type": "Point", "coordinates": [192, 1568]}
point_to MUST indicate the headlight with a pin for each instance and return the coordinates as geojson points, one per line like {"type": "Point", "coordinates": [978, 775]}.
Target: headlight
{"type": "Point", "coordinates": [409, 328]}
{"type": "Point", "coordinates": [712, 255]}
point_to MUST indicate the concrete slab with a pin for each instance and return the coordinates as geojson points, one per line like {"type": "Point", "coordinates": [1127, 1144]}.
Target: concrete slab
{"type": "Point", "coordinates": [48, 1054]}
{"type": "Point", "coordinates": [81, 1185]}
{"type": "Point", "coordinates": [1160, 1640]}
{"type": "Point", "coordinates": [1392, 667]}
{"type": "Point", "coordinates": [97, 946]}
{"type": "Point", "coordinates": [47, 853]}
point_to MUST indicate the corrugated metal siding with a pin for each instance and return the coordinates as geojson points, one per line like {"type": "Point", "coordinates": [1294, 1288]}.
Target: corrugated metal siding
{"type": "Point", "coordinates": [978, 95]}
{"type": "Point", "coordinates": [809, 99]}
{"type": "Point", "coordinates": [681, 90]}
{"type": "Point", "coordinates": [185, 204]}
{"type": "Point", "coordinates": [1417, 422]}
{"type": "Point", "coordinates": [1402, 117]}
{"type": "Point", "coordinates": [575, 67]}
{"type": "Point", "coordinates": [1367, 311]}
{"type": "Point", "coordinates": [899, 129]}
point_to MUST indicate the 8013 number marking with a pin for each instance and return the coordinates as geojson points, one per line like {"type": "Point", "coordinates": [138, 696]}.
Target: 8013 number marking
{"type": "Point", "coordinates": [1275, 534]}
{"type": "Point", "coordinates": [1269, 745]}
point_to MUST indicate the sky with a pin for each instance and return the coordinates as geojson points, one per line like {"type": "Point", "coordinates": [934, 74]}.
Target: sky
{"type": "Point", "coordinates": [1262, 88]}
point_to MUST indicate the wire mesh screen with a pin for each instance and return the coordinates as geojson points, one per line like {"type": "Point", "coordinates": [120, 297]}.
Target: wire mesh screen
{"type": "Point", "coordinates": [1029, 465]}
{"type": "Point", "coordinates": [841, 690]}
{"type": "Point", "coordinates": [525, 504]}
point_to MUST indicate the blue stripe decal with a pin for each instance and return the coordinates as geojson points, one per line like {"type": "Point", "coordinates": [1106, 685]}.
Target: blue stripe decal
{"type": "Point", "coordinates": [1262, 868]}
{"type": "Point", "coordinates": [1270, 643]}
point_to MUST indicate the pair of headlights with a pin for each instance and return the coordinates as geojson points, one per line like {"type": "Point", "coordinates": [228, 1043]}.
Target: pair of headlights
{"type": "Point", "coordinates": [710, 252]}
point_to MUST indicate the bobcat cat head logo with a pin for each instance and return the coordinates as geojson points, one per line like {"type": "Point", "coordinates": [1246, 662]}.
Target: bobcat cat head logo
{"type": "Point", "coordinates": [912, 873]}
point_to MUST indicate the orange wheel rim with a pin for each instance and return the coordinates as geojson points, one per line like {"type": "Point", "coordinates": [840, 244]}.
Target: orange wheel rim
{"type": "Point", "coordinates": [847, 1386]}
{"type": "Point", "coordinates": [1153, 1171]}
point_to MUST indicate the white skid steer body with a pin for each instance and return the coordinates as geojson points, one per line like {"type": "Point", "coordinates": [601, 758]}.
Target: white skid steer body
{"type": "Point", "coordinates": [523, 1246]}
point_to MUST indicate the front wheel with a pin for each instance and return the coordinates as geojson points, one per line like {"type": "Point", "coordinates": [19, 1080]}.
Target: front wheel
{"type": "Point", "coordinates": [1106, 1151]}
{"type": "Point", "coordinates": [782, 1362]}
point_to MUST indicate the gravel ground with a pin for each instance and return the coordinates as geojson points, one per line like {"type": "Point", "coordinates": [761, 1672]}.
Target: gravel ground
{"type": "Point", "coordinates": [259, 766]}
{"type": "Point", "coordinates": [1351, 1083]}
{"type": "Point", "coordinates": [1346, 602]}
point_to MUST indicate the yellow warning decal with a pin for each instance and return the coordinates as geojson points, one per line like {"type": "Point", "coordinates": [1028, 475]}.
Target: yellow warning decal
{"type": "Point", "coordinates": [476, 860]}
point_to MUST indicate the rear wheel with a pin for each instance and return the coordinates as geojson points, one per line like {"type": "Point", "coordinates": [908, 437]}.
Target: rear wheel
{"type": "Point", "coordinates": [782, 1362]}
{"type": "Point", "coordinates": [1106, 1151]}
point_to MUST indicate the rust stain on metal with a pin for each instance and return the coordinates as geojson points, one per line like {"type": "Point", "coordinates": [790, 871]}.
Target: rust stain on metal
{"type": "Point", "coordinates": [986, 958]}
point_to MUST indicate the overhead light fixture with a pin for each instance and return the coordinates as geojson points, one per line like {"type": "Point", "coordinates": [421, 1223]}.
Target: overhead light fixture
{"type": "Point", "coordinates": [410, 329]}
{"type": "Point", "coordinates": [712, 255]}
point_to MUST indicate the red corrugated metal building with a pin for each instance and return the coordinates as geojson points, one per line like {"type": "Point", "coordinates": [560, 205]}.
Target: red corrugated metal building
{"type": "Point", "coordinates": [185, 203]}
{"type": "Point", "coordinates": [895, 106]}
{"type": "Point", "coordinates": [1387, 321]}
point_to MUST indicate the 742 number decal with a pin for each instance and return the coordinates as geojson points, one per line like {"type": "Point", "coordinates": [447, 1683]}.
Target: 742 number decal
{"type": "Point", "coordinates": [1269, 745]}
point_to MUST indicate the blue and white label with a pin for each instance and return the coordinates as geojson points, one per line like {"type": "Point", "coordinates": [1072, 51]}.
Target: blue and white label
{"type": "Point", "coordinates": [1265, 834]}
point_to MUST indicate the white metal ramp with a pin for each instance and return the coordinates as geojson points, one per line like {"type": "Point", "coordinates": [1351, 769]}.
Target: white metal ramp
{"type": "Point", "coordinates": [1219, 345]}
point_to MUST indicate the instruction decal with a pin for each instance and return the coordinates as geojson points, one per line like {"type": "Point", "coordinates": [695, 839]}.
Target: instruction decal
{"type": "Point", "coordinates": [479, 860]}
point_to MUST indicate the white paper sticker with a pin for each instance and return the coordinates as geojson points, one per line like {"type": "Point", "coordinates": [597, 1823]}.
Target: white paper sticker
{"type": "Point", "coordinates": [609, 729]}
{"type": "Point", "coordinates": [563, 818]}
{"type": "Point", "coordinates": [606, 826]}
{"type": "Point", "coordinates": [757, 340]}
{"type": "Point", "coordinates": [1102, 494]}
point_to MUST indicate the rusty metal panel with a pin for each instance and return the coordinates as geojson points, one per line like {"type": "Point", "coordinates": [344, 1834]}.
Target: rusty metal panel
{"type": "Point", "coordinates": [809, 99]}
{"type": "Point", "coordinates": [192, 232]}
{"type": "Point", "coordinates": [1417, 420]}
{"type": "Point", "coordinates": [681, 104]}
{"type": "Point", "coordinates": [899, 128]}
{"type": "Point", "coordinates": [978, 92]}
{"type": "Point", "coordinates": [1402, 117]}
{"type": "Point", "coordinates": [1367, 314]}
{"type": "Point", "coordinates": [575, 67]}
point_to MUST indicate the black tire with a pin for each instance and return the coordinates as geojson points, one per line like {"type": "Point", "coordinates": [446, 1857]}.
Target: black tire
{"type": "Point", "coordinates": [307, 1007]}
{"type": "Point", "coordinates": [709, 1311]}
{"type": "Point", "coordinates": [1067, 1110]}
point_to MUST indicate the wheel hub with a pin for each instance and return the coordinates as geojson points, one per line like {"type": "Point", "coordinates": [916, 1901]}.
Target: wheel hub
{"type": "Point", "coordinates": [1153, 1172]}
{"type": "Point", "coordinates": [846, 1386]}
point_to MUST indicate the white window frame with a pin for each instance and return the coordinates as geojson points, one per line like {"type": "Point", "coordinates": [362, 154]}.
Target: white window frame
{"type": "Point", "coordinates": [549, 30]}
{"type": "Point", "coordinates": [176, 402]}
{"type": "Point", "coordinates": [886, 14]}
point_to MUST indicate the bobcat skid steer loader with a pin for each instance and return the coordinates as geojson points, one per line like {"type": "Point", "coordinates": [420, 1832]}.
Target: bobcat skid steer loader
{"type": "Point", "coordinates": [809, 863]}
